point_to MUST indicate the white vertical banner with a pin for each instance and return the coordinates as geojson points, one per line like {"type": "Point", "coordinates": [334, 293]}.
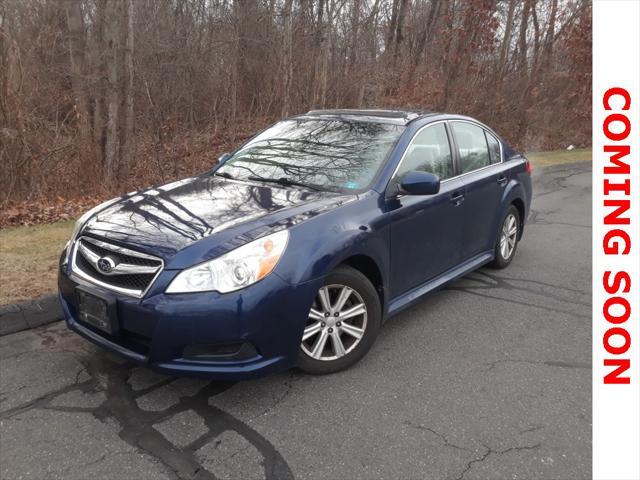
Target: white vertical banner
{"type": "Point", "coordinates": [616, 239]}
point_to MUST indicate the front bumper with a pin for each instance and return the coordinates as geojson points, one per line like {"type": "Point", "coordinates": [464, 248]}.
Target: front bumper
{"type": "Point", "coordinates": [265, 321]}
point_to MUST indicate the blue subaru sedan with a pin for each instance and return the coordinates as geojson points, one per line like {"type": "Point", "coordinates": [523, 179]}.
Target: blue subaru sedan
{"type": "Point", "coordinates": [296, 247]}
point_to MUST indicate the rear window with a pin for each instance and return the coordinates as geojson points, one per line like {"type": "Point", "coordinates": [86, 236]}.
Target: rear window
{"type": "Point", "coordinates": [494, 148]}
{"type": "Point", "coordinates": [472, 146]}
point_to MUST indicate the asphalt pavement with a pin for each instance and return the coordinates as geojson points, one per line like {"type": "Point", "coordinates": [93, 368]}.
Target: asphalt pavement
{"type": "Point", "coordinates": [487, 379]}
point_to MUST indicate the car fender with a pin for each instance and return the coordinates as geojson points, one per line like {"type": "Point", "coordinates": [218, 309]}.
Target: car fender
{"type": "Point", "coordinates": [512, 191]}
{"type": "Point", "coordinates": [312, 253]}
{"type": "Point", "coordinates": [330, 251]}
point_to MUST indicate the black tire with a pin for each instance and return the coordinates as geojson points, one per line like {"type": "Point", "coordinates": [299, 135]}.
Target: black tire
{"type": "Point", "coordinates": [500, 260]}
{"type": "Point", "coordinates": [352, 278]}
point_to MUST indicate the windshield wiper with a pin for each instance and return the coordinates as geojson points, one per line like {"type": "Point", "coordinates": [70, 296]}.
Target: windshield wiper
{"type": "Point", "coordinates": [283, 181]}
{"type": "Point", "coordinates": [224, 175]}
{"type": "Point", "coordinates": [280, 181]}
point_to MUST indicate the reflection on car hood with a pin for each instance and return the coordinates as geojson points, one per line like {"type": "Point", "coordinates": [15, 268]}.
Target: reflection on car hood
{"type": "Point", "coordinates": [166, 219]}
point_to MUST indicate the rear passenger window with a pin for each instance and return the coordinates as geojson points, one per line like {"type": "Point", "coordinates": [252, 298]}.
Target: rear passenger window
{"type": "Point", "coordinates": [494, 148]}
{"type": "Point", "coordinates": [472, 146]}
{"type": "Point", "coordinates": [429, 152]}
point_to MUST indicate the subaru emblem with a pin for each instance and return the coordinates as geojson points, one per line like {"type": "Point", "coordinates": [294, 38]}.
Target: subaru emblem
{"type": "Point", "coordinates": [106, 264]}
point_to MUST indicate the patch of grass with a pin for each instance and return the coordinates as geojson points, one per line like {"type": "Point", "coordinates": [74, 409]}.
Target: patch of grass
{"type": "Point", "coordinates": [29, 260]}
{"type": "Point", "coordinates": [544, 159]}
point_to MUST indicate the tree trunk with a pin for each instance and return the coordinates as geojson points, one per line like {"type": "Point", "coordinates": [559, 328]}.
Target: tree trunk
{"type": "Point", "coordinates": [424, 38]}
{"type": "Point", "coordinates": [325, 53]}
{"type": "Point", "coordinates": [548, 41]}
{"type": "Point", "coordinates": [75, 26]}
{"type": "Point", "coordinates": [127, 141]}
{"type": "Point", "coordinates": [524, 73]}
{"type": "Point", "coordinates": [287, 58]}
{"type": "Point", "coordinates": [391, 31]}
{"type": "Point", "coordinates": [399, 34]}
{"type": "Point", "coordinates": [522, 41]}
{"type": "Point", "coordinates": [316, 49]}
{"type": "Point", "coordinates": [112, 49]}
{"type": "Point", "coordinates": [506, 39]}
{"type": "Point", "coordinates": [536, 39]}
{"type": "Point", "coordinates": [98, 67]}
{"type": "Point", "coordinates": [354, 43]}
{"type": "Point", "coordinates": [449, 63]}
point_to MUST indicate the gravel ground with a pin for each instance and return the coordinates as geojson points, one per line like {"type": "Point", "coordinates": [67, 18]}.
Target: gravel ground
{"type": "Point", "coordinates": [487, 379]}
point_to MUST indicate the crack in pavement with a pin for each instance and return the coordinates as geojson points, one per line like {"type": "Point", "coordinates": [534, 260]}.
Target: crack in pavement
{"type": "Point", "coordinates": [505, 283]}
{"type": "Point", "coordinates": [526, 304]}
{"type": "Point", "coordinates": [536, 218]}
{"type": "Point", "coordinates": [549, 184]}
{"type": "Point", "coordinates": [289, 385]}
{"type": "Point", "coordinates": [554, 182]}
{"type": "Point", "coordinates": [548, 363]}
{"type": "Point", "coordinates": [532, 429]}
{"type": "Point", "coordinates": [490, 451]}
{"type": "Point", "coordinates": [136, 425]}
{"type": "Point", "coordinates": [444, 439]}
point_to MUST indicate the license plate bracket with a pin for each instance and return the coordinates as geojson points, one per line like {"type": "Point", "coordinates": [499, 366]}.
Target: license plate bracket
{"type": "Point", "coordinates": [97, 310]}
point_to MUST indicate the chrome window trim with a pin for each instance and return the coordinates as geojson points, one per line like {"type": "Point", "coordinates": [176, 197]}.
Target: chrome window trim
{"type": "Point", "coordinates": [449, 121]}
{"type": "Point", "coordinates": [115, 248]}
{"type": "Point", "coordinates": [484, 129]}
{"type": "Point", "coordinates": [404, 154]}
{"type": "Point", "coordinates": [487, 132]}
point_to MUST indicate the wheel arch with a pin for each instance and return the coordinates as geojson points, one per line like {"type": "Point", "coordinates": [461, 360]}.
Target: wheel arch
{"type": "Point", "coordinates": [513, 195]}
{"type": "Point", "coordinates": [519, 204]}
{"type": "Point", "coordinates": [370, 269]}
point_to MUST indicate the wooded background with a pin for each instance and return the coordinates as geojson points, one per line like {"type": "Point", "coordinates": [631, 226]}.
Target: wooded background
{"type": "Point", "coordinates": [99, 97]}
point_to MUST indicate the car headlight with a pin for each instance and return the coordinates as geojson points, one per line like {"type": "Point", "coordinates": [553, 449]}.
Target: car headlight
{"type": "Point", "coordinates": [234, 270]}
{"type": "Point", "coordinates": [80, 223]}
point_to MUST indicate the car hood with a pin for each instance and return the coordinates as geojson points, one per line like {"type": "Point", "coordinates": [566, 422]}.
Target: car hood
{"type": "Point", "coordinates": [164, 220]}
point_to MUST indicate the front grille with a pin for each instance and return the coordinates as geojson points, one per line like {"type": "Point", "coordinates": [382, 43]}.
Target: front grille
{"type": "Point", "coordinates": [121, 257]}
{"type": "Point", "coordinates": [126, 271]}
{"type": "Point", "coordinates": [131, 282]}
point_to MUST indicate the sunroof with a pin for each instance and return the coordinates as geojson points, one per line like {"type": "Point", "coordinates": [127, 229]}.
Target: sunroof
{"type": "Point", "coordinates": [405, 116]}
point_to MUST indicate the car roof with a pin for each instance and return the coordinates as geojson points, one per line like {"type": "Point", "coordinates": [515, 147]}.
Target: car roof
{"type": "Point", "coordinates": [398, 117]}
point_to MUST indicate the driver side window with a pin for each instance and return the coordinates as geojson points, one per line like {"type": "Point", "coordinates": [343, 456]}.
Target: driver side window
{"type": "Point", "coordinates": [428, 152]}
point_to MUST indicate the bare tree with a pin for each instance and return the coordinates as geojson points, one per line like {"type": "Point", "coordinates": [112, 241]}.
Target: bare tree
{"type": "Point", "coordinates": [141, 91]}
{"type": "Point", "coordinates": [112, 45]}
{"type": "Point", "coordinates": [75, 24]}
{"type": "Point", "coordinates": [127, 133]}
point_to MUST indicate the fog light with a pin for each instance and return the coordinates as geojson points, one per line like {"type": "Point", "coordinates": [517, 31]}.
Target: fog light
{"type": "Point", "coordinates": [219, 351]}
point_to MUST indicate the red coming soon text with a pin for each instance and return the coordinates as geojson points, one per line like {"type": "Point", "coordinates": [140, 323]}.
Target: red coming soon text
{"type": "Point", "coordinates": [617, 240]}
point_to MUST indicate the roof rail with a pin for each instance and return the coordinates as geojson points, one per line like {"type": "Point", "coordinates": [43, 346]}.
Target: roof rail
{"type": "Point", "coordinates": [402, 116]}
{"type": "Point", "coordinates": [365, 112]}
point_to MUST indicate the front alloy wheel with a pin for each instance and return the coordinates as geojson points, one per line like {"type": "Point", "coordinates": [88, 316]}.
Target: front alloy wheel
{"type": "Point", "coordinates": [342, 324]}
{"type": "Point", "coordinates": [337, 321]}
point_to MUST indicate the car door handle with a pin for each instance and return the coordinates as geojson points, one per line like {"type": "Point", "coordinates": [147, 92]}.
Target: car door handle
{"type": "Point", "coordinates": [502, 180]}
{"type": "Point", "coordinates": [456, 198]}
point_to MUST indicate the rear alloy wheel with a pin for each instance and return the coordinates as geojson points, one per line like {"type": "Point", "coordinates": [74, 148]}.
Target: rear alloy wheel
{"type": "Point", "coordinates": [507, 239]}
{"type": "Point", "coordinates": [343, 322]}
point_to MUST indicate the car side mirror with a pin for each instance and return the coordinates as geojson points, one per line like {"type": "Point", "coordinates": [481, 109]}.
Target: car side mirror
{"type": "Point", "coordinates": [224, 157]}
{"type": "Point", "coordinates": [420, 183]}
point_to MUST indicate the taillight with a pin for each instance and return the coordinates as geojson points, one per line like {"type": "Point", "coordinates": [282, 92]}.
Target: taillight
{"type": "Point", "coordinates": [528, 167]}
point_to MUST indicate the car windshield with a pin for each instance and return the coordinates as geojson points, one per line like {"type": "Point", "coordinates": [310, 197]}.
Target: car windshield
{"type": "Point", "coordinates": [323, 154]}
